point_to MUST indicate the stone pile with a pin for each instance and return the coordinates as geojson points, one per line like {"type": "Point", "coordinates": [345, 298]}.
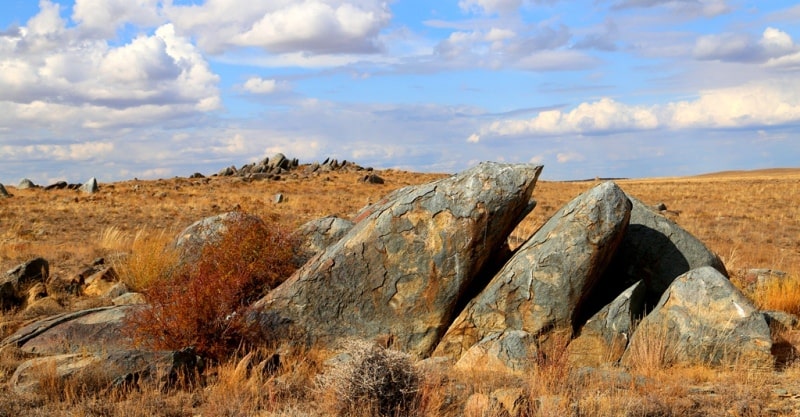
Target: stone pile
{"type": "Point", "coordinates": [279, 165]}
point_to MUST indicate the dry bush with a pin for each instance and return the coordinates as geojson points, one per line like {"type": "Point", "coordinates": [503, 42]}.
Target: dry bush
{"type": "Point", "coordinates": [779, 294]}
{"type": "Point", "coordinates": [374, 381]}
{"type": "Point", "coordinates": [200, 304]}
{"type": "Point", "coordinates": [151, 259]}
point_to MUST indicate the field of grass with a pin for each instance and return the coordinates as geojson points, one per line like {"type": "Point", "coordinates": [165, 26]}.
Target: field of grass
{"type": "Point", "coordinates": [751, 219]}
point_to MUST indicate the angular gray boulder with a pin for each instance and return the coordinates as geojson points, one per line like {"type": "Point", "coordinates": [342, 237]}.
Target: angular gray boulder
{"type": "Point", "coordinates": [90, 186]}
{"type": "Point", "coordinates": [400, 272]}
{"type": "Point", "coordinates": [604, 337]}
{"type": "Point", "coordinates": [655, 250]}
{"type": "Point", "coordinates": [544, 284]}
{"type": "Point", "coordinates": [316, 235]}
{"type": "Point", "coordinates": [703, 319]}
{"type": "Point", "coordinates": [508, 351]}
{"type": "Point", "coordinates": [25, 183]}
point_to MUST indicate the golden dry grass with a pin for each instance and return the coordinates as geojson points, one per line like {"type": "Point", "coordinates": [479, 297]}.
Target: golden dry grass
{"type": "Point", "coordinates": [751, 219]}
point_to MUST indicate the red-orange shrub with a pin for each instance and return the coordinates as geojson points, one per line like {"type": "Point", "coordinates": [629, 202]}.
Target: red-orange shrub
{"type": "Point", "coordinates": [201, 304]}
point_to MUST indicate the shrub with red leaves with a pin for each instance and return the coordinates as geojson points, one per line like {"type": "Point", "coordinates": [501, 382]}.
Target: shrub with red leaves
{"type": "Point", "coordinates": [200, 305]}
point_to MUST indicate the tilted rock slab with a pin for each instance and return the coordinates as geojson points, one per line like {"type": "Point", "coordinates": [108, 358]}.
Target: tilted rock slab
{"type": "Point", "coordinates": [402, 269]}
{"type": "Point", "coordinates": [604, 337]}
{"type": "Point", "coordinates": [655, 250]}
{"type": "Point", "coordinates": [94, 330]}
{"type": "Point", "coordinates": [544, 283]}
{"type": "Point", "coordinates": [703, 319]}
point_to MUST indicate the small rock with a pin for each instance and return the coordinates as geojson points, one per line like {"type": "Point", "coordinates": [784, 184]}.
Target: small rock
{"type": "Point", "coordinates": [372, 179]}
{"type": "Point", "coordinates": [25, 184]}
{"type": "Point", "coordinates": [197, 175]}
{"type": "Point", "coordinates": [130, 298]}
{"type": "Point", "coordinates": [60, 185]}
{"type": "Point", "coordinates": [3, 192]}
{"type": "Point", "coordinates": [660, 206]}
{"type": "Point", "coordinates": [278, 198]}
{"type": "Point", "coordinates": [90, 187]}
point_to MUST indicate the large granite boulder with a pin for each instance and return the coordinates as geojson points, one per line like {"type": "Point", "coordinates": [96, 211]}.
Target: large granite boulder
{"type": "Point", "coordinates": [604, 337]}
{"type": "Point", "coordinates": [316, 235]}
{"type": "Point", "coordinates": [544, 284]}
{"type": "Point", "coordinates": [403, 268]}
{"type": "Point", "coordinates": [510, 351]}
{"type": "Point", "coordinates": [703, 319]}
{"type": "Point", "coordinates": [655, 250]}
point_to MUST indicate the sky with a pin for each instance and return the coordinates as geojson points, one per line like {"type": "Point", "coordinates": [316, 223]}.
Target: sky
{"type": "Point", "coordinates": [123, 89]}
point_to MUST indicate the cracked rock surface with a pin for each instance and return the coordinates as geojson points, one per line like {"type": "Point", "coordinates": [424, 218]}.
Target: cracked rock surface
{"type": "Point", "coordinates": [400, 272]}
{"type": "Point", "coordinates": [545, 282]}
{"type": "Point", "coordinates": [703, 319]}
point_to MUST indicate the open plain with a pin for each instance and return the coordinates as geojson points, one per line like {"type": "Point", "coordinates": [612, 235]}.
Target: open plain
{"type": "Point", "coordinates": [750, 219]}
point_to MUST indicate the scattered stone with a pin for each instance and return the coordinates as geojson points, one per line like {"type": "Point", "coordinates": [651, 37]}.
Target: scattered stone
{"type": "Point", "coordinates": [372, 179]}
{"type": "Point", "coordinates": [278, 198]}
{"type": "Point", "coordinates": [60, 185]}
{"type": "Point", "coordinates": [129, 298]}
{"type": "Point", "coordinates": [90, 187]}
{"type": "Point", "coordinates": [414, 254]}
{"type": "Point", "coordinates": [100, 282]}
{"type": "Point", "coordinates": [3, 192]}
{"type": "Point", "coordinates": [660, 207]}
{"type": "Point", "coordinates": [702, 319]}
{"type": "Point", "coordinates": [782, 318]}
{"type": "Point", "coordinates": [604, 338]}
{"type": "Point", "coordinates": [197, 175]}
{"type": "Point", "coordinates": [16, 282]}
{"type": "Point", "coordinates": [25, 184]}
{"type": "Point", "coordinates": [543, 285]}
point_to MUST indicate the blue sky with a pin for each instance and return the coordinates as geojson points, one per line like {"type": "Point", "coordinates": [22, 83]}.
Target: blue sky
{"type": "Point", "coordinates": [119, 89]}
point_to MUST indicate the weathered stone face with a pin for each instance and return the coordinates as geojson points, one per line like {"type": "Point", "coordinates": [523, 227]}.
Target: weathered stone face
{"type": "Point", "coordinates": [545, 282]}
{"type": "Point", "coordinates": [85, 331]}
{"type": "Point", "coordinates": [318, 234]}
{"type": "Point", "coordinates": [402, 269]}
{"type": "Point", "coordinates": [655, 250]}
{"type": "Point", "coordinates": [605, 335]}
{"type": "Point", "coordinates": [703, 319]}
{"type": "Point", "coordinates": [190, 241]}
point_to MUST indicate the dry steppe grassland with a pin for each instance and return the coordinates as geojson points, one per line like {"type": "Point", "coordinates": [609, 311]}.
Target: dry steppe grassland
{"type": "Point", "coordinates": [750, 219]}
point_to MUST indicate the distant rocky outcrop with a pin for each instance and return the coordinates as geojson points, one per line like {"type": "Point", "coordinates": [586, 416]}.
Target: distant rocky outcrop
{"type": "Point", "coordinates": [413, 256]}
{"type": "Point", "coordinates": [279, 165]}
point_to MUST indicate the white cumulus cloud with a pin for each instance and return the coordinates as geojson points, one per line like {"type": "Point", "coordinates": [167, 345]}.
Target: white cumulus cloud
{"type": "Point", "coordinates": [310, 26]}
{"type": "Point", "coordinates": [767, 103]}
